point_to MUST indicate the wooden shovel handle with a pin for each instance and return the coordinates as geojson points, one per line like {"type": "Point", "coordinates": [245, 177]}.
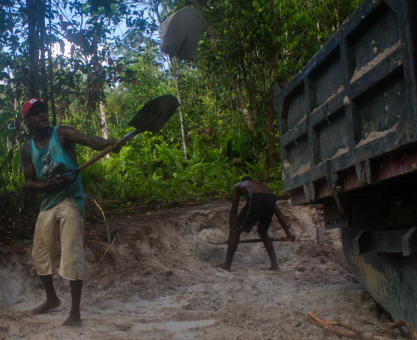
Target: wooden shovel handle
{"type": "Point", "coordinates": [101, 154]}
{"type": "Point", "coordinates": [288, 239]}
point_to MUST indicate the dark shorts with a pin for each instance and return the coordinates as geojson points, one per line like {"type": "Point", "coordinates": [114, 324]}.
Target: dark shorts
{"type": "Point", "coordinates": [260, 207]}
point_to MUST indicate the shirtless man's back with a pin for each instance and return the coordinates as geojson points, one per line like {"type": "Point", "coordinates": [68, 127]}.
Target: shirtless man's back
{"type": "Point", "coordinates": [259, 209]}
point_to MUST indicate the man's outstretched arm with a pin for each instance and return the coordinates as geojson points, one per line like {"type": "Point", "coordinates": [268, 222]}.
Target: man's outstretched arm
{"type": "Point", "coordinates": [96, 143]}
{"type": "Point", "coordinates": [281, 220]}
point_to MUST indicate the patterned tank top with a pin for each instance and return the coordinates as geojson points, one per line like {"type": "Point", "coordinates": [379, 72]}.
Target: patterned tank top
{"type": "Point", "coordinates": [51, 160]}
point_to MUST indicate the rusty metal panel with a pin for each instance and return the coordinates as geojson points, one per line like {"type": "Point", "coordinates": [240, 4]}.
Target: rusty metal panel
{"type": "Point", "coordinates": [298, 197]}
{"type": "Point", "coordinates": [397, 164]}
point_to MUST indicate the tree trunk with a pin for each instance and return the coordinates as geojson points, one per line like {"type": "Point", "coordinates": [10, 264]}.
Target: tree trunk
{"type": "Point", "coordinates": [33, 41]}
{"type": "Point", "coordinates": [169, 71]}
{"type": "Point", "coordinates": [183, 135]}
{"type": "Point", "coordinates": [241, 101]}
{"type": "Point", "coordinates": [40, 19]}
{"type": "Point", "coordinates": [177, 86]}
{"type": "Point", "coordinates": [103, 124]}
{"type": "Point", "coordinates": [51, 68]}
{"type": "Point", "coordinates": [171, 63]}
{"type": "Point", "coordinates": [242, 106]}
{"type": "Point", "coordinates": [271, 156]}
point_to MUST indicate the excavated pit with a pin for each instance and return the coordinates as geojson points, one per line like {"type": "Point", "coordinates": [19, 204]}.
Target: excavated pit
{"type": "Point", "coordinates": [158, 281]}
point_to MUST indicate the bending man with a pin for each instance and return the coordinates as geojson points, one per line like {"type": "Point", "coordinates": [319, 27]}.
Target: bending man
{"type": "Point", "coordinates": [260, 207]}
{"type": "Point", "coordinates": [50, 152]}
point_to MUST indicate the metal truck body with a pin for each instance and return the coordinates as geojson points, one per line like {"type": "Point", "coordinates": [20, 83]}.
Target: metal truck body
{"type": "Point", "coordinates": [348, 133]}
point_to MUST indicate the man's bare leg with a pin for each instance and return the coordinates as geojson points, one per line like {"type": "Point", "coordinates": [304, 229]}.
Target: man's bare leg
{"type": "Point", "coordinates": [270, 250]}
{"type": "Point", "coordinates": [74, 318]}
{"type": "Point", "coordinates": [52, 300]}
{"type": "Point", "coordinates": [232, 243]}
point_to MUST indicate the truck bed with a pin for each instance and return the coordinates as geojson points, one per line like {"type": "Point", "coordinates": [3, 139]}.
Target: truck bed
{"type": "Point", "coordinates": [349, 118]}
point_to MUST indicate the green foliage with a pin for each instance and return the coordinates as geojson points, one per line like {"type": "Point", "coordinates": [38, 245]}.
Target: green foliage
{"type": "Point", "coordinates": [226, 91]}
{"type": "Point", "coordinates": [161, 174]}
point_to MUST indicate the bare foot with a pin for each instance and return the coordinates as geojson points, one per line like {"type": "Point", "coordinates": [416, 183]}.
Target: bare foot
{"type": "Point", "coordinates": [73, 320]}
{"type": "Point", "coordinates": [43, 308]}
{"type": "Point", "coordinates": [274, 268]}
{"type": "Point", "coordinates": [225, 267]}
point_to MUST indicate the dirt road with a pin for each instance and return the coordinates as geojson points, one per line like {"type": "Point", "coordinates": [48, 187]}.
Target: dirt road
{"type": "Point", "coordinates": [158, 281]}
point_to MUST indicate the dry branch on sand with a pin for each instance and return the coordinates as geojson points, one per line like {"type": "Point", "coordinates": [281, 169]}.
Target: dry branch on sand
{"type": "Point", "coordinates": [105, 220]}
{"type": "Point", "coordinates": [101, 259]}
{"type": "Point", "coordinates": [410, 329]}
{"type": "Point", "coordinates": [353, 333]}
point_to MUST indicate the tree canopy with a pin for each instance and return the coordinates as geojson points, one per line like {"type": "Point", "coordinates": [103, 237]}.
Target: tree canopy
{"type": "Point", "coordinates": [97, 62]}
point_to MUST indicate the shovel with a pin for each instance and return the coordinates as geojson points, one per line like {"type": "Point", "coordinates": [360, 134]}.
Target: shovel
{"type": "Point", "coordinates": [253, 240]}
{"type": "Point", "coordinates": [151, 117]}
{"type": "Point", "coordinates": [180, 33]}
{"type": "Point", "coordinates": [283, 239]}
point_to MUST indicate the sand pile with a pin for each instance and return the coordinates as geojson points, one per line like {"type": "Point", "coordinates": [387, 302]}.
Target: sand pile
{"type": "Point", "coordinates": [158, 281]}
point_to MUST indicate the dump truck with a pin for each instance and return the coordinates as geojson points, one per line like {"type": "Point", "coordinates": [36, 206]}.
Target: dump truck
{"type": "Point", "coordinates": [348, 133]}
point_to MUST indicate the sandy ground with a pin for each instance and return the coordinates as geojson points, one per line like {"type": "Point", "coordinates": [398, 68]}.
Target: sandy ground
{"type": "Point", "coordinates": [158, 281]}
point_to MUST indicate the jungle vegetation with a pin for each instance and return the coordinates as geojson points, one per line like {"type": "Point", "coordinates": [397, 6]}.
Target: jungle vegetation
{"type": "Point", "coordinates": [96, 62]}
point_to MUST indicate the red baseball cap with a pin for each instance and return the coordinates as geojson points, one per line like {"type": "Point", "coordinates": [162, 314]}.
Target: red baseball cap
{"type": "Point", "coordinates": [28, 105]}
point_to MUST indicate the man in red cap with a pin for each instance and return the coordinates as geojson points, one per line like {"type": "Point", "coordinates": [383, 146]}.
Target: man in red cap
{"type": "Point", "coordinates": [49, 153]}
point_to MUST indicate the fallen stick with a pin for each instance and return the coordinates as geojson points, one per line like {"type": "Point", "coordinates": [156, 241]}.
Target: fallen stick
{"type": "Point", "coordinates": [105, 220]}
{"type": "Point", "coordinates": [410, 329]}
{"type": "Point", "coordinates": [329, 327]}
{"type": "Point", "coordinates": [101, 259]}
{"type": "Point", "coordinates": [104, 244]}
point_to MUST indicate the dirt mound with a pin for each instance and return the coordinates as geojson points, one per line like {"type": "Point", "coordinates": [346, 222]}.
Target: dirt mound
{"type": "Point", "coordinates": [158, 281]}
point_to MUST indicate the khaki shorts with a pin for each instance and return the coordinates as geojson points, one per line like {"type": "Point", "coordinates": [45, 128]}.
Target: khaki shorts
{"type": "Point", "coordinates": [66, 220]}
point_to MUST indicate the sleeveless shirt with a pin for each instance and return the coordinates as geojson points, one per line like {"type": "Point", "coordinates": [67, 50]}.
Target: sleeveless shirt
{"type": "Point", "coordinates": [51, 160]}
